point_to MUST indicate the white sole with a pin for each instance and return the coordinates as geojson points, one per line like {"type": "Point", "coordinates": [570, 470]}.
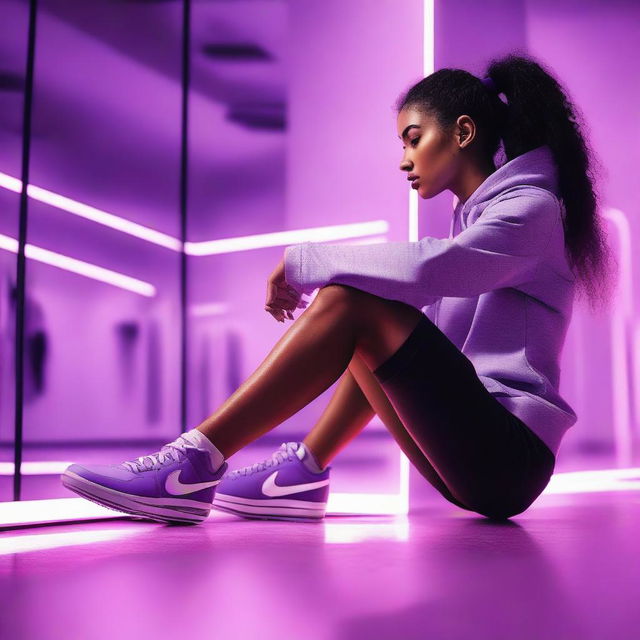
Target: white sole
{"type": "Point", "coordinates": [183, 509]}
{"type": "Point", "coordinates": [273, 509]}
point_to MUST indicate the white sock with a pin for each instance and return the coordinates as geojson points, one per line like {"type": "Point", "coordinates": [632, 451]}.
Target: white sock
{"type": "Point", "coordinates": [202, 442]}
{"type": "Point", "coordinates": [310, 460]}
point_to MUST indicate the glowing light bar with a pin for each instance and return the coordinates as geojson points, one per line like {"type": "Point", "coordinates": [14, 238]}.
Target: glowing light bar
{"type": "Point", "coordinates": [27, 512]}
{"type": "Point", "coordinates": [78, 266]}
{"type": "Point", "coordinates": [209, 309]}
{"type": "Point", "coordinates": [22, 543]}
{"type": "Point", "coordinates": [209, 247]}
{"type": "Point", "coordinates": [369, 503]}
{"type": "Point", "coordinates": [594, 481]}
{"type": "Point", "coordinates": [348, 532]}
{"type": "Point", "coordinates": [278, 238]}
{"type": "Point", "coordinates": [44, 468]}
{"type": "Point", "coordinates": [70, 509]}
{"type": "Point", "coordinates": [621, 341]}
{"type": "Point", "coordinates": [91, 213]}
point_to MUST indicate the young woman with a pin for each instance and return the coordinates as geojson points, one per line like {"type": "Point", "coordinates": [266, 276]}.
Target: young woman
{"type": "Point", "coordinates": [455, 343]}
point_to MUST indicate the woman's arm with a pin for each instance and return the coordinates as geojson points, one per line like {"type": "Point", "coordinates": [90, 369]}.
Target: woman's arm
{"type": "Point", "coordinates": [502, 248]}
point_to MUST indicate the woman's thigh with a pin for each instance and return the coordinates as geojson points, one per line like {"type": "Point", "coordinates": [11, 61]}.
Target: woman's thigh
{"type": "Point", "coordinates": [379, 401]}
{"type": "Point", "coordinates": [491, 462]}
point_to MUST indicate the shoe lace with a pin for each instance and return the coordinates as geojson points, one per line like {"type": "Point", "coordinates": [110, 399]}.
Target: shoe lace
{"type": "Point", "coordinates": [287, 451]}
{"type": "Point", "coordinates": [168, 452]}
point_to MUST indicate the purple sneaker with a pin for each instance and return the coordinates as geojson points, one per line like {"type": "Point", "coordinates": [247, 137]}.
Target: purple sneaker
{"type": "Point", "coordinates": [279, 488]}
{"type": "Point", "coordinates": [176, 484]}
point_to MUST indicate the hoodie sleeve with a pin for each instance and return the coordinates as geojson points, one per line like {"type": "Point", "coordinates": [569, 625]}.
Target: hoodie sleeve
{"type": "Point", "coordinates": [502, 248]}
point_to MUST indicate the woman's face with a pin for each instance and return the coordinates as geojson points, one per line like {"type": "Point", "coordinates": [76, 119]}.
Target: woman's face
{"type": "Point", "coordinates": [429, 153]}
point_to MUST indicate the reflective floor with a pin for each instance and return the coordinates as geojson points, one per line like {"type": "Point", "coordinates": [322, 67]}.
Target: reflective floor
{"type": "Point", "coordinates": [566, 568]}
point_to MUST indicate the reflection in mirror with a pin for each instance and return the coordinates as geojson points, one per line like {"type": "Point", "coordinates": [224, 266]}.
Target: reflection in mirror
{"type": "Point", "coordinates": [102, 293]}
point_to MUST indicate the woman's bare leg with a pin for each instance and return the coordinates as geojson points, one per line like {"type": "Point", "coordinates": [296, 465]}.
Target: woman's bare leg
{"type": "Point", "coordinates": [356, 400]}
{"type": "Point", "coordinates": [346, 415]}
{"type": "Point", "coordinates": [379, 401]}
{"type": "Point", "coordinates": [313, 353]}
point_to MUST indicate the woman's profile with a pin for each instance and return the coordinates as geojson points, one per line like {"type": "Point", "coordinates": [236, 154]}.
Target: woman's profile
{"type": "Point", "coordinates": [454, 343]}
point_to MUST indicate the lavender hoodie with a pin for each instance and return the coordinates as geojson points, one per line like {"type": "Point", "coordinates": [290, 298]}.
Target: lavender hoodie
{"type": "Point", "coordinates": [499, 287]}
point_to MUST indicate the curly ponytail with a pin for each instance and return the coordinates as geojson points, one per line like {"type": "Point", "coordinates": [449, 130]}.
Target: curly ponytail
{"type": "Point", "coordinates": [537, 112]}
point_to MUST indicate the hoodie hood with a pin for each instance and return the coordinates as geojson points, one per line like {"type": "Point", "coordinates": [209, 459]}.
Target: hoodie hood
{"type": "Point", "coordinates": [535, 168]}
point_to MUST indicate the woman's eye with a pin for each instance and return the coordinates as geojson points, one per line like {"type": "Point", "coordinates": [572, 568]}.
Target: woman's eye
{"type": "Point", "coordinates": [414, 142]}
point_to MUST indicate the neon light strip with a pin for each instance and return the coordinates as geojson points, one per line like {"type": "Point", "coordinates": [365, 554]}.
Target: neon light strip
{"type": "Point", "coordinates": [594, 481]}
{"type": "Point", "coordinates": [621, 341]}
{"type": "Point", "coordinates": [27, 512]}
{"type": "Point", "coordinates": [91, 213]}
{"type": "Point", "coordinates": [428, 67]}
{"type": "Point", "coordinates": [370, 503]}
{"type": "Point", "coordinates": [209, 247]}
{"type": "Point", "coordinates": [278, 238]}
{"type": "Point", "coordinates": [42, 468]}
{"type": "Point", "coordinates": [78, 266]}
{"type": "Point", "coordinates": [209, 309]}
{"type": "Point", "coordinates": [21, 543]}
{"type": "Point", "coordinates": [347, 532]}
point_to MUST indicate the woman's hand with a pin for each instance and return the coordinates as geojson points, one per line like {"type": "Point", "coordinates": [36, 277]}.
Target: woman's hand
{"type": "Point", "coordinates": [281, 297]}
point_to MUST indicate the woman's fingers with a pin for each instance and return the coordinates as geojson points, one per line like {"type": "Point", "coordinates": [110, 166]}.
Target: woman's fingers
{"type": "Point", "coordinates": [283, 300]}
{"type": "Point", "coordinates": [287, 302]}
{"type": "Point", "coordinates": [276, 313]}
{"type": "Point", "coordinates": [279, 312]}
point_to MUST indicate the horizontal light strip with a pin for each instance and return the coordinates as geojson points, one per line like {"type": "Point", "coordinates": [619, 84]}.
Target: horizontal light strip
{"type": "Point", "coordinates": [78, 266]}
{"type": "Point", "coordinates": [338, 503]}
{"type": "Point", "coordinates": [341, 533]}
{"type": "Point", "coordinates": [91, 213]}
{"type": "Point", "coordinates": [30, 512]}
{"type": "Point", "coordinates": [27, 512]}
{"type": "Point", "coordinates": [209, 247]}
{"type": "Point", "coordinates": [353, 532]}
{"type": "Point", "coordinates": [22, 543]}
{"type": "Point", "coordinates": [367, 503]}
{"type": "Point", "coordinates": [593, 481]}
{"type": "Point", "coordinates": [209, 309]}
{"type": "Point", "coordinates": [278, 238]}
{"type": "Point", "coordinates": [45, 468]}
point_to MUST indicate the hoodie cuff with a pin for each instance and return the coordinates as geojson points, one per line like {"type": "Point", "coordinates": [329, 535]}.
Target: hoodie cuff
{"type": "Point", "coordinates": [293, 266]}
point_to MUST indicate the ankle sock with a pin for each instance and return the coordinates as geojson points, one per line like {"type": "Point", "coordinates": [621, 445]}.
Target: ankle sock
{"type": "Point", "coordinates": [202, 442]}
{"type": "Point", "coordinates": [309, 460]}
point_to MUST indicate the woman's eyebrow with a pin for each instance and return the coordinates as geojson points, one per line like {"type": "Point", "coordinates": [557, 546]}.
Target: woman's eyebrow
{"type": "Point", "coordinates": [404, 133]}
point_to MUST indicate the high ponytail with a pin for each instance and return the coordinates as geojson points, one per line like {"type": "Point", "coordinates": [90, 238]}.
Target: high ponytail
{"type": "Point", "coordinates": [537, 112]}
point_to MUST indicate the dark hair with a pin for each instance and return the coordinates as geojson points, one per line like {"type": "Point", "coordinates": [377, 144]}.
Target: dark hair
{"type": "Point", "coordinates": [539, 112]}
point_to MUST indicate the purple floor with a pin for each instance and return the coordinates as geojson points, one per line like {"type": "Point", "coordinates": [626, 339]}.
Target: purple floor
{"type": "Point", "coordinates": [566, 568]}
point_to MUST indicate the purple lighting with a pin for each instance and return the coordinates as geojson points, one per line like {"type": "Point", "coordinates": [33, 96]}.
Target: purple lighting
{"type": "Point", "coordinates": [80, 267]}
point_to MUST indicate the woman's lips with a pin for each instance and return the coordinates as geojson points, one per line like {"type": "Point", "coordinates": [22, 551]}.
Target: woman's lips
{"type": "Point", "coordinates": [414, 183]}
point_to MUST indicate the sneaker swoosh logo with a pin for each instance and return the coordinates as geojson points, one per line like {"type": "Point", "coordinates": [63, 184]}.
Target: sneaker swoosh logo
{"type": "Point", "coordinates": [174, 486]}
{"type": "Point", "coordinates": [273, 490]}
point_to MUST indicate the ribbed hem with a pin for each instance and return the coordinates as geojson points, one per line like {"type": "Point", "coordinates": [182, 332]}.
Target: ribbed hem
{"type": "Point", "coordinates": [293, 266]}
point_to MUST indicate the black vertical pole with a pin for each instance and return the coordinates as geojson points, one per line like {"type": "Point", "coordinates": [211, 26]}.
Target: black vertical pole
{"type": "Point", "coordinates": [184, 157]}
{"type": "Point", "coordinates": [22, 240]}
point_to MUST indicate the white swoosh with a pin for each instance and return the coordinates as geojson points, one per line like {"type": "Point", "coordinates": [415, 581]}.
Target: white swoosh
{"type": "Point", "coordinates": [273, 490]}
{"type": "Point", "coordinates": [177, 488]}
